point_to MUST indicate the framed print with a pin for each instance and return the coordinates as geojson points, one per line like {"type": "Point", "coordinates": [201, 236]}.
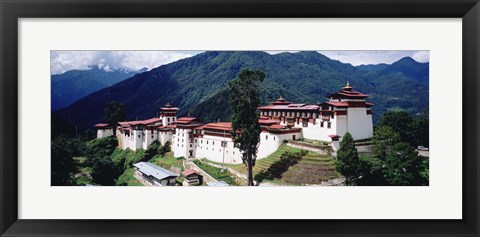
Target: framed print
{"type": "Point", "coordinates": [294, 118]}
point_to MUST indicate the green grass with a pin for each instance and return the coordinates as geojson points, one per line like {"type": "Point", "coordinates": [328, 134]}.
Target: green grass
{"type": "Point", "coordinates": [216, 172]}
{"type": "Point", "coordinates": [128, 179]}
{"type": "Point", "coordinates": [83, 175]}
{"type": "Point", "coordinates": [168, 161]}
{"type": "Point", "coordinates": [261, 164]}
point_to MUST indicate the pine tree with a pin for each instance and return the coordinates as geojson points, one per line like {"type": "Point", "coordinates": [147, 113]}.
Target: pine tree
{"type": "Point", "coordinates": [348, 163]}
{"type": "Point", "coordinates": [244, 101]}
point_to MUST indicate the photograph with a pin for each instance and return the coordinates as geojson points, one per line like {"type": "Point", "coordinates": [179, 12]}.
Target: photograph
{"type": "Point", "coordinates": [240, 118]}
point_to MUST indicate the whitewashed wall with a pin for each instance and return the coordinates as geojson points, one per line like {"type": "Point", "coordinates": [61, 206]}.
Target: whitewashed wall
{"type": "Point", "coordinates": [102, 133]}
{"type": "Point", "coordinates": [360, 124]}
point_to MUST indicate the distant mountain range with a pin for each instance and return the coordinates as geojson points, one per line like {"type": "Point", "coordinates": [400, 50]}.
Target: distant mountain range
{"type": "Point", "coordinates": [198, 85]}
{"type": "Point", "coordinates": [72, 85]}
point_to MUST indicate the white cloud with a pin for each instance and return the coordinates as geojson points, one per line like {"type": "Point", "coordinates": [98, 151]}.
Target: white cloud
{"type": "Point", "coordinates": [421, 56]}
{"type": "Point", "coordinates": [376, 57]}
{"type": "Point", "coordinates": [62, 61]}
{"type": "Point", "coordinates": [279, 51]}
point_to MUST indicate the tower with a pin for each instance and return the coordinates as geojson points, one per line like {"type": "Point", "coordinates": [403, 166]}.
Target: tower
{"type": "Point", "coordinates": [168, 114]}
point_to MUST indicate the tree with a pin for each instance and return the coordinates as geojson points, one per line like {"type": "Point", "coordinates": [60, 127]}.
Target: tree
{"type": "Point", "coordinates": [383, 138]}
{"type": "Point", "coordinates": [114, 113]}
{"type": "Point", "coordinates": [348, 163]}
{"type": "Point", "coordinates": [400, 122]}
{"type": "Point", "coordinates": [104, 171]}
{"type": "Point", "coordinates": [420, 128]}
{"type": "Point", "coordinates": [62, 165]}
{"type": "Point", "coordinates": [244, 101]}
{"type": "Point", "coordinates": [403, 165]}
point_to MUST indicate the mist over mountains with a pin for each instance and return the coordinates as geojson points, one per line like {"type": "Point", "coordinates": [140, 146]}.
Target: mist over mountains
{"type": "Point", "coordinates": [72, 85]}
{"type": "Point", "coordinates": [198, 85]}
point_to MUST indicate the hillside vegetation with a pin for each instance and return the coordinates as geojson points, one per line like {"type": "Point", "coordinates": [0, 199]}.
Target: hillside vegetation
{"type": "Point", "coordinates": [197, 85]}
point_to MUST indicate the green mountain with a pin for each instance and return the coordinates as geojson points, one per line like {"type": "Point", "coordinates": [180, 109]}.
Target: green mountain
{"type": "Point", "coordinates": [198, 85]}
{"type": "Point", "coordinates": [72, 85]}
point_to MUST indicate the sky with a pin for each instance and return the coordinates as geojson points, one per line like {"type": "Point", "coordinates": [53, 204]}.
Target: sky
{"type": "Point", "coordinates": [62, 61]}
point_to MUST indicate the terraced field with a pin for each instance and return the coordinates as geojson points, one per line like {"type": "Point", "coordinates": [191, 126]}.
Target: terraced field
{"type": "Point", "coordinates": [313, 168]}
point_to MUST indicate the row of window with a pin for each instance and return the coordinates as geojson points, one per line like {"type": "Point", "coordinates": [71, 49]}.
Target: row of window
{"type": "Point", "coordinates": [297, 114]}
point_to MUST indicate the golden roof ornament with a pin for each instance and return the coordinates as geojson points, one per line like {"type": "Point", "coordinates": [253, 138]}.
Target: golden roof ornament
{"type": "Point", "coordinates": [348, 86]}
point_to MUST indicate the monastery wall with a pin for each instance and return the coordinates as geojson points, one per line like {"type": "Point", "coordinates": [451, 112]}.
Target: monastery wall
{"type": "Point", "coordinates": [210, 147]}
{"type": "Point", "coordinates": [359, 123]}
{"type": "Point", "coordinates": [103, 133]}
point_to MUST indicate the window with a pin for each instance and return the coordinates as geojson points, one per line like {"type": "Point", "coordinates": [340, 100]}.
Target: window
{"type": "Point", "coordinates": [329, 125]}
{"type": "Point", "coordinates": [213, 143]}
{"type": "Point", "coordinates": [195, 140]}
{"type": "Point", "coordinates": [274, 138]}
{"type": "Point", "coordinates": [321, 124]}
{"type": "Point", "coordinates": [201, 141]}
{"type": "Point", "coordinates": [207, 142]}
{"type": "Point", "coordinates": [266, 137]}
{"type": "Point", "coordinates": [168, 120]}
{"type": "Point", "coordinates": [138, 136]}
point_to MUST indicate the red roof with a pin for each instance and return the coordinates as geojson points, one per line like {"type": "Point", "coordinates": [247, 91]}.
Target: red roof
{"type": "Point", "coordinates": [347, 94]}
{"type": "Point", "coordinates": [268, 121]}
{"type": "Point", "coordinates": [227, 126]}
{"type": "Point", "coordinates": [276, 126]}
{"type": "Point", "coordinates": [337, 104]}
{"type": "Point", "coordinates": [289, 107]}
{"type": "Point", "coordinates": [333, 136]}
{"type": "Point", "coordinates": [188, 172]}
{"type": "Point", "coordinates": [101, 125]}
{"type": "Point", "coordinates": [185, 120]}
{"type": "Point", "coordinates": [139, 122]}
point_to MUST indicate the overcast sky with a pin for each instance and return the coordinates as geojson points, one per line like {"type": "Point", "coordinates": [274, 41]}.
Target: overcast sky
{"type": "Point", "coordinates": [62, 61]}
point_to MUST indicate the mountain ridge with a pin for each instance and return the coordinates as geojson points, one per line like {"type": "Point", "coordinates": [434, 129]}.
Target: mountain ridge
{"type": "Point", "coordinates": [197, 85]}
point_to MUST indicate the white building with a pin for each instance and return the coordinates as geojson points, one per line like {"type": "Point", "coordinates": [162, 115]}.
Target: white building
{"type": "Point", "coordinates": [345, 111]}
{"type": "Point", "coordinates": [104, 130]}
{"type": "Point", "coordinates": [140, 134]}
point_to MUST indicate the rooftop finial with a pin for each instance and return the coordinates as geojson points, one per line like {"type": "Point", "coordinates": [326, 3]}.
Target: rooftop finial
{"type": "Point", "coordinates": [348, 86]}
{"type": "Point", "coordinates": [281, 98]}
{"type": "Point", "coordinates": [168, 105]}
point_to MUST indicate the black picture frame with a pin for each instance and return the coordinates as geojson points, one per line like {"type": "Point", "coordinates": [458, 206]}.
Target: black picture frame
{"type": "Point", "coordinates": [12, 10]}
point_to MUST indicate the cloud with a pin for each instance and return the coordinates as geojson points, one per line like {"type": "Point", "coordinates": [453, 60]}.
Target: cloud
{"type": "Point", "coordinates": [422, 56]}
{"type": "Point", "coordinates": [376, 57]}
{"type": "Point", "coordinates": [62, 61]}
{"type": "Point", "coordinates": [279, 51]}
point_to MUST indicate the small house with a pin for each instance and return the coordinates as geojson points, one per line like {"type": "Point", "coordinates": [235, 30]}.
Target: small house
{"type": "Point", "coordinates": [155, 175]}
{"type": "Point", "coordinates": [191, 177]}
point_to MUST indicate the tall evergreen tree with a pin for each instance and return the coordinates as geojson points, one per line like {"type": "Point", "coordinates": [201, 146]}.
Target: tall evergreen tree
{"type": "Point", "coordinates": [244, 101]}
{"type": "Point", "coordinates": [348, 162]}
